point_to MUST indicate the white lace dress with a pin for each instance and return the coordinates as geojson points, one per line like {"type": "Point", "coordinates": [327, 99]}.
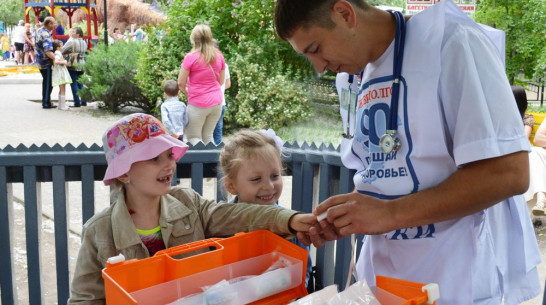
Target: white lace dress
{"type": "Point", "coordinates": [60, 73]}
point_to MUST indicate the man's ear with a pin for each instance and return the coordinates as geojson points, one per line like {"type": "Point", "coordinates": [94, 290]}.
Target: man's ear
{"type": "Point", "coordinates": [123, 178]}
{"type": "Point", "coordinates": [345, 12]}
{"type": "Point", "coordinates": [230, 186]}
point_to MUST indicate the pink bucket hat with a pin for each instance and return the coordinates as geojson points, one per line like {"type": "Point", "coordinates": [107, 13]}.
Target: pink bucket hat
{"type": "Point", "coordinates": [136, 137]}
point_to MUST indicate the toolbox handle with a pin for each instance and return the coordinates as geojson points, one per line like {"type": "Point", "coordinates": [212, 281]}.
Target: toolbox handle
{"type": "Point", "coordinates": [193, 246]}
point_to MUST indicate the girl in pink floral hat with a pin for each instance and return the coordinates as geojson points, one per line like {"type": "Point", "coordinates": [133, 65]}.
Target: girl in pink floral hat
{"type": "Point", "coordinates": [147, 214]}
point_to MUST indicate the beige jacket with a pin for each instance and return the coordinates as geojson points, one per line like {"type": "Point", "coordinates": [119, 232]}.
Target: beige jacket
{"type": "Point", "coordinates": [185, 217]}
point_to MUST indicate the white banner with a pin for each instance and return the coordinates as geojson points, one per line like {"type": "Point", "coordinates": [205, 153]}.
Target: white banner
{"type": "Point", "coordinates": [415, 6]}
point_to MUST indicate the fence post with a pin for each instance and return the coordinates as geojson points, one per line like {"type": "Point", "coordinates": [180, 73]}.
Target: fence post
{"type": "Point", "coordinates": [197, 177]}
{"type": "Point", "coordinates": [7, 276]}
{"type": "Point", "coordinates": [33, 229]}
{"type": "Point", "coordinates": [88, 192]}
{"type": "Point", "coordinates": [541, 91]}
{"type": "Point", "coordinates": [60, 212]}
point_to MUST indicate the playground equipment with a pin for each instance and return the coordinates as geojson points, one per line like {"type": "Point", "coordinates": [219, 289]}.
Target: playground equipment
{"type": "Point", "coordinates": [69, 7]}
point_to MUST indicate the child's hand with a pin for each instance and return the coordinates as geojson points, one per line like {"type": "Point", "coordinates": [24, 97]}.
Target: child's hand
{"type": "Point", "coordinates": [302, 222]}
{"type": "Point", "coordinates": [310, 231]}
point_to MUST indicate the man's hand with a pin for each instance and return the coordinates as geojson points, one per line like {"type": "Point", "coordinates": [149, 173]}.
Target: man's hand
{"type": "Point", "coordinates": [354, 213]}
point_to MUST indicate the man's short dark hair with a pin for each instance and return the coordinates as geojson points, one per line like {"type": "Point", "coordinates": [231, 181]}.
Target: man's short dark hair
{"type": "Point", "coordinates": [170, 87]}
{"type": "Point", "coordinates": [292, 14]}
{"type": "Point", "coordinates": [78, 31]}
{"type": "Point", "coordinates": [49, 20]}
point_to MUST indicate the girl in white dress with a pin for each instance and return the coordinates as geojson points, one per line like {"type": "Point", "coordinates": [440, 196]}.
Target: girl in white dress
{"type": "Point", "coordinates": [60, 75]}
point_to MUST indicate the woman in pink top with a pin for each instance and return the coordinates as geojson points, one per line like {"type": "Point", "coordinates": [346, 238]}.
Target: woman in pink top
{"type": "Point", "coordinates": [201, 77]}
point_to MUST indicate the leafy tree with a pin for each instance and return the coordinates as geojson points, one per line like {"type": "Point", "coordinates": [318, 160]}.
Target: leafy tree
{"type": "Point", "coordinates": [11, 11]}
{"type": "Point", "coordinates": [524, 22]}
{"type": "Point", "coordinates": [397, 3]}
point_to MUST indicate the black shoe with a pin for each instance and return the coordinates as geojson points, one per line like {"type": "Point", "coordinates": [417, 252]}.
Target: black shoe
{"type": "Point", "coordinates": [75, 106]}
{"type": "Point", "coordinates": [84, 103]}
{"type": "Point", "coordinates": [49, 106]}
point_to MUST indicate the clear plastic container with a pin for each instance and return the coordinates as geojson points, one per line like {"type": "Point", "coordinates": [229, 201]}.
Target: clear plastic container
{"type": "Point", "coordinates": [189, 290]}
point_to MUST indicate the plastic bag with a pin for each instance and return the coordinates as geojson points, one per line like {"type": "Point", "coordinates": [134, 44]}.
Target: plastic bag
{"type": "Point", "coordinates": [357, 294]}
{"type": "Point", "coordinates": [319, 297]}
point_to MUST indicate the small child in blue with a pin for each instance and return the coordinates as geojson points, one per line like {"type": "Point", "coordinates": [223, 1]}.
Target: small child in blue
{"type": "Point", "coordinates": [173, 112]}
{"type": "Point", "coordinates": [252, 168]}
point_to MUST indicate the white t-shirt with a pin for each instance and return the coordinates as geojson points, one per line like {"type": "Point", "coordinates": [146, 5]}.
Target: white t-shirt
{"type": "Point", "coordinates": [19, 34]}
{"type": "Point", "coordinates": [451, 112]}
{"type": "Point", "coordinates": [223, 87]}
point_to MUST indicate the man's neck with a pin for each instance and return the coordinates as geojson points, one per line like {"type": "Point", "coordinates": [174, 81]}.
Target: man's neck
{"type": "Point", "coordinates": [378, 29]}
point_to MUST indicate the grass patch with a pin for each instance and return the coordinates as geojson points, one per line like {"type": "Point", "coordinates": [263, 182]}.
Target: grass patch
{"type": "Point", "coordinates": [536, 108]}
{"type": "Point", "coordinates": [319, 129]}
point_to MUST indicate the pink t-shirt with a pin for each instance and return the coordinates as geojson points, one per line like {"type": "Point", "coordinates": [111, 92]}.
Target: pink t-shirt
{"type": "Point", "coordinates": [203, 86]}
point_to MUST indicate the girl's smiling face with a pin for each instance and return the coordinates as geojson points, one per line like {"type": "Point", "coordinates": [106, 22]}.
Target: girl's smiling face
{"type": "Point", "coordinates": [258, 180]}
{"type": "Point", "coordinates": [151, 178]}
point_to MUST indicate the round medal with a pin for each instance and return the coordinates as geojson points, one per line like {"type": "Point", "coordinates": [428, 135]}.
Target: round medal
{"type": "Point", "coordinates": [389, 143]}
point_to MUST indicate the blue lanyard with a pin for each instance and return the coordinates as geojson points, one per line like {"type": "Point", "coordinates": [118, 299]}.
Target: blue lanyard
{"type": "Point", "coordinates": [399, 43]}
{"type": "Point", "coordinates": [398, 57]}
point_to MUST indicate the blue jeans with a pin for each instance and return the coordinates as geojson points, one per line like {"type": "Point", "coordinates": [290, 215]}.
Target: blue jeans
{"type": "Point", "coordinates": [75, 86]}
{"type": "Point", "coordinates": [46, 87]}
{"type": "Point", "coordinates": [217, 134]}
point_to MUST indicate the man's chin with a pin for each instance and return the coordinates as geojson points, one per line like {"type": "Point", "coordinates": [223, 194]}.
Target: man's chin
{"type": "Point", "coordinates": [351, 70]}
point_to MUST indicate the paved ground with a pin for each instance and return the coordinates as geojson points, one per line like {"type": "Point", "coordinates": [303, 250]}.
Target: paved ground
{"type": "Point", "coordinates": [27, 123]}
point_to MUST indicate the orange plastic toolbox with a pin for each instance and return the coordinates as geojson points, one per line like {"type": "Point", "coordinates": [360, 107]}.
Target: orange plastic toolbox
{"type": "Point", "coordinates": [391, 291]}
{"type": "Point", "coordinates": [163, 278]}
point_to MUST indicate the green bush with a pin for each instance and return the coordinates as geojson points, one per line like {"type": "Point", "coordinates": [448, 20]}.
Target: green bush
{"type": "Point", "coordinates": [536, 108]}
{"type": "Point", "coordinates": [260, 97]}
{"type": "Point", "coordinates": [156, 64]}
{"type": "Point", "coordinates": [109, 77]}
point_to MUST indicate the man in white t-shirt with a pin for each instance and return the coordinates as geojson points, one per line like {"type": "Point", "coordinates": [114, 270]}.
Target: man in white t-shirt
{"type": "Point", "coordinates": [440, 169]}
{"type": "Point", "coordinates": [219, 129]}
{"type": "Point", "coordinates": [19, 41]}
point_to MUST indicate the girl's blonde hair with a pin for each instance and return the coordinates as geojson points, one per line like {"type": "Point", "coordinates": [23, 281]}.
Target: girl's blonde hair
{"type": "Point", "coordinates": [243, 145]}
{"type": "Point", "coordinates": [201, 40]}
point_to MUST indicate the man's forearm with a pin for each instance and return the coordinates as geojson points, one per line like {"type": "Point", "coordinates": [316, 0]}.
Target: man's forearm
{"type": "Point", "coordinates": [50, 55]}
{"type": "Point", "coordinates": [473, 188]}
